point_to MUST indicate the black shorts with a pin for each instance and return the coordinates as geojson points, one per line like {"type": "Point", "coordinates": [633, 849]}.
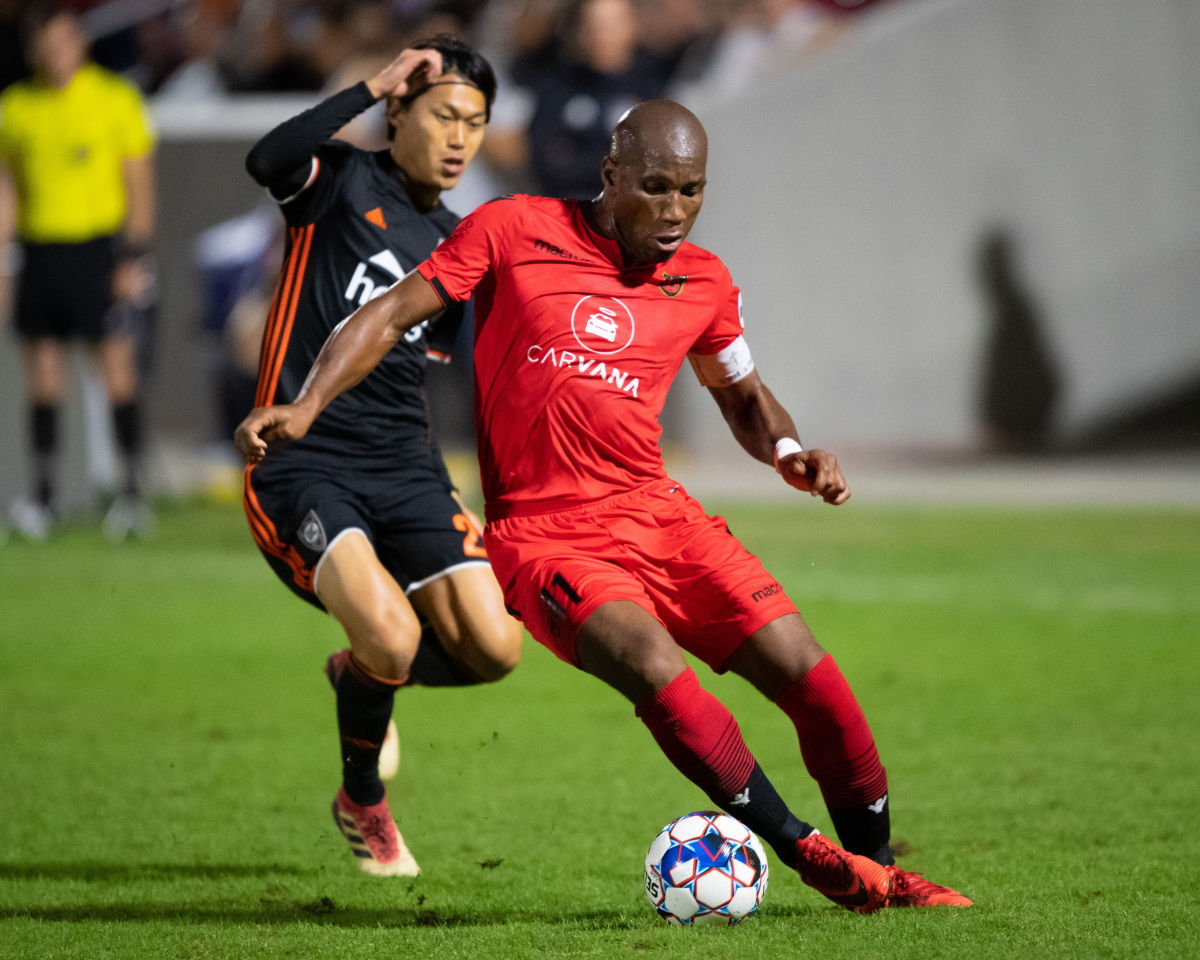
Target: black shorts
{"type": "Point", "coordinates": [64, 291]}
{"type": "Point", "coordinates": [415, 521]}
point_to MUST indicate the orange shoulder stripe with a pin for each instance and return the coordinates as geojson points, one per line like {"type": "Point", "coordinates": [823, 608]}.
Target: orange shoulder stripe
{"type": "Point", "coordinates": [283, 315]}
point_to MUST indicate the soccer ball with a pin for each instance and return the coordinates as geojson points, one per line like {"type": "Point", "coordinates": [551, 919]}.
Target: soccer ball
{"type": "Point", "coordinates": [705, 868]}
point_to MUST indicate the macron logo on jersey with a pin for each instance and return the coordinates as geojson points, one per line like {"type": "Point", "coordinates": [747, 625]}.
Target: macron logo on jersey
{"type": "Point", "coordinates": [546, 247]}
{"type": "Point", "coordinates": [376, 217]}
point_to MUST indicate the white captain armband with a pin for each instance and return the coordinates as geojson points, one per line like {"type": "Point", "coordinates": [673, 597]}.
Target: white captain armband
{"type": "Point", "coordinates": [721, 369]}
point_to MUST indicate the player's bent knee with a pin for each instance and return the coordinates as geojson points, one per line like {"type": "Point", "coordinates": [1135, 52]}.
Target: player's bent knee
{"type": "Point", "coordinates": [386, 641]}
{"type": "Point", "coordinates": [501, 652]}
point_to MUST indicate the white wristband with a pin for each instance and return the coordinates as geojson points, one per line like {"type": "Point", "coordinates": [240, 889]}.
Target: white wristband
{"type": "Point", "coordinates": [784, 447]}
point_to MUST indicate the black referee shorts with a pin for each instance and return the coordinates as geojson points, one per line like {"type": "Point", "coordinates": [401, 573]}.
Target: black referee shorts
{"type": "Point", "coordinates": [64, 291]}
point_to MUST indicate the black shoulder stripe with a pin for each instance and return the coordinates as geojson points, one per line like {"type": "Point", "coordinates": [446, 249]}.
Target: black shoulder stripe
{"type": "Point", "coordinates": [440, 290]}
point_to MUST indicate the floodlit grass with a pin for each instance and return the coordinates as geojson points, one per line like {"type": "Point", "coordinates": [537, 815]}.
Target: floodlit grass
{"type": "Point", "coordinates": [168, 754]}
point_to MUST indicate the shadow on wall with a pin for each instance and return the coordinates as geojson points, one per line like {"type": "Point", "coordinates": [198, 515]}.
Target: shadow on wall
{"type": "Point", "coordinates": [1169, 420]}
{"type": "Point", "coordinates": [1021, 380]}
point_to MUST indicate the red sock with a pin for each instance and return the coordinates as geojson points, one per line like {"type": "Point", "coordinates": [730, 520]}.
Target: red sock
{"type": "Point", "coordinates": [700, 736]}
{"type": "Point", "coordinates": [835, 741]}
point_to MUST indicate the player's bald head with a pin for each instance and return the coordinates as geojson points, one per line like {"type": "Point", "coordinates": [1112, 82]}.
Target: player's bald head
{"type": "Point", "coordinates": [658, 131]}
{"type": "Point", "coordinates": [654, 178]}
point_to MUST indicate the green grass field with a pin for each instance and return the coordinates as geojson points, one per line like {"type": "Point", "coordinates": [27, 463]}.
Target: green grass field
{"type": "Point", "coordinates": [168, 754]}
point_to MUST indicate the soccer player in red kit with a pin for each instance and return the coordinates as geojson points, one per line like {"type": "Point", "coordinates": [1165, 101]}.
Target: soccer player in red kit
{"type": "Point", "coordinates": [585, 311]}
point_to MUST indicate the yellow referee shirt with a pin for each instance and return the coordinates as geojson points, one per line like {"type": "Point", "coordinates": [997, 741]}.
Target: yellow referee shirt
{"type": "Point", "coordinates": [65, 148]}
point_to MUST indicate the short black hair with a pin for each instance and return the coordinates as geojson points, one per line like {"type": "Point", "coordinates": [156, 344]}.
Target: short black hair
{"type": "Point", "coordinates": [459, 58]}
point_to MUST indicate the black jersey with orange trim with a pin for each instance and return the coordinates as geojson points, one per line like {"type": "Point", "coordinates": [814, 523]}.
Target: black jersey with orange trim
{"type": "Point", "coordinates": [352, 233]}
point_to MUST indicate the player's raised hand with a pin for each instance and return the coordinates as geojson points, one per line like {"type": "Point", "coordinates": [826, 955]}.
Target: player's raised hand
{"type": "Point", "coordinates": [817, 472]}
{"type": "Point", "coordinates": [267, 425]}
{"type": "Point", "coordinates": [408, 72]}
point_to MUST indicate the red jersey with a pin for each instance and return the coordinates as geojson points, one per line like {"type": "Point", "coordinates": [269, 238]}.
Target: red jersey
{"type": "Point", "coordinates": [574, 354]}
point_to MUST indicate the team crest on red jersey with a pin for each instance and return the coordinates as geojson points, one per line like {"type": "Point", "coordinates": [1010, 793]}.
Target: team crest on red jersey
{"type": "Point", "coordinates": [672, 284]}
{"type": "Point", "coordinates": [602, 325]}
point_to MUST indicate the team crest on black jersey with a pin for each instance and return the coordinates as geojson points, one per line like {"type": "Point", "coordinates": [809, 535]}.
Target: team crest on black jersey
{"type": "Point", "coordinates": [672, 284]}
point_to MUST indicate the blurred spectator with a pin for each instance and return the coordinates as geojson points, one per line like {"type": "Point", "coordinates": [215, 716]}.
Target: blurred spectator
{"type": "Point", "coordinates": [237, 262]}
{"type": "Point", "coordinates": [202, 73]}
{"type": "Point", "coordinates": [761, 38]}
{"type": "Point", "coordinates": [211, 46]}
{"type": "Point", "coordinates": [581, 81]}
{"type": "Point", "coordinates": [279, 47]}
{"type": "Point", "coordinates": [682, 33]}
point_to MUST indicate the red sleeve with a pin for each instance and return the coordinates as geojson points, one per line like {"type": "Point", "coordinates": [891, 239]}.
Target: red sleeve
{"type": "Point", "coordinates": [472, 251]}
{"type": "Point", "coordinates": [726, 325]}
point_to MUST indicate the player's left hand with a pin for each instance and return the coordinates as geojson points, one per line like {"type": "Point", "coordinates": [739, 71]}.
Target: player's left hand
{"type": "Point", "coordinates": [264, 426]}
{"type": "Point", "coordinates": [818, 473]}
{"type": "Point", "coordinates": [406, 73]}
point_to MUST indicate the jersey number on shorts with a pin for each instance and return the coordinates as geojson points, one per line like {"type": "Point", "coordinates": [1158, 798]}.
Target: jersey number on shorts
{"type": "Point", "coordinates": [472, 547]}
{"type": "Point", "coordinates": [554, 613]}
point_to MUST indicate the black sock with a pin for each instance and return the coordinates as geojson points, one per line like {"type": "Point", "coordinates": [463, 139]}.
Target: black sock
{"type": "Point", "coordinates": [866, 830]}
{"type": "Point", "coordinates": [761, 808]}
{"type": "Point", "coordinates": [364, 707]}
{"type": "Point", "coordinates": [127, 427]}
{"type": "Point", "coordinates": [434, 667]}
{"type": "Point", "coordinates": [43, 430]}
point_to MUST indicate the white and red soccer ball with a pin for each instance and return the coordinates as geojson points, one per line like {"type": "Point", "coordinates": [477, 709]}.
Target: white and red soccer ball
{"type": "Point", "coordinates": [704, 868]}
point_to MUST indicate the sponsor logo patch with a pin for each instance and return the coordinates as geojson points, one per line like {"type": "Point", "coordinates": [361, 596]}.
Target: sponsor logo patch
{"type": "Point", "coordinates": [603, 325]}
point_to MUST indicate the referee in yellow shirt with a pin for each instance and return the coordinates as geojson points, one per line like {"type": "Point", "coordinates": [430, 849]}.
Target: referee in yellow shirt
{"type": "Point", "coordinates": [77, 192]}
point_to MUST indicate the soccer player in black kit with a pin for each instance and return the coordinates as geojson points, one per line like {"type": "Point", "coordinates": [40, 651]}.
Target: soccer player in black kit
{"type": "Point", "coordinates": [360, 517]}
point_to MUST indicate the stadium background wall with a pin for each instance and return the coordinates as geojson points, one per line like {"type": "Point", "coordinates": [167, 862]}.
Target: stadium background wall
{"type": "Point", "coordinates": [849, 198]}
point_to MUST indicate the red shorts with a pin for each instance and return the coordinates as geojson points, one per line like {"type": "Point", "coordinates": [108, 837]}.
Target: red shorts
{"type": "Point", "coordinates": [654, 546]}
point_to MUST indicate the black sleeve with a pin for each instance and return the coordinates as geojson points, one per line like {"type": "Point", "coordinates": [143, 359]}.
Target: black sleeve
{"type": "Point", "coordinates": [281, 160]}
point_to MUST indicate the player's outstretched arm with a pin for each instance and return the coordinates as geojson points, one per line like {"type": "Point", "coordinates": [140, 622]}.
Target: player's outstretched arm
{"type": "Point", "coordinates": [352, 350]}
{"type": "Point", "coordinates": [759, 423]}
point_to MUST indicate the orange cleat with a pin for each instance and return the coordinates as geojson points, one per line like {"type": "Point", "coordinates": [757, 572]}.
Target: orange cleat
{"type": "Point", "coordinates": [913, 890]}
{"type": "Point", "coordinates": [860, 884]}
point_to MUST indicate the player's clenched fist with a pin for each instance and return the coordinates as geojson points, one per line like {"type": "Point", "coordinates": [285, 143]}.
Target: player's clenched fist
{"type": "Point", "coordinates": [267, 425]}
{"type": "Point", "coordinates": [817, 472]}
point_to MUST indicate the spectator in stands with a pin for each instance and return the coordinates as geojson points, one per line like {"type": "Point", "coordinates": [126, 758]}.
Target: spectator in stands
{"type": "Point", "coordinates": [761, 38]}
{"type": "Point", "coordinates": [203, 73]}
{"type": "Point", "coordinates": [595, 72]}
